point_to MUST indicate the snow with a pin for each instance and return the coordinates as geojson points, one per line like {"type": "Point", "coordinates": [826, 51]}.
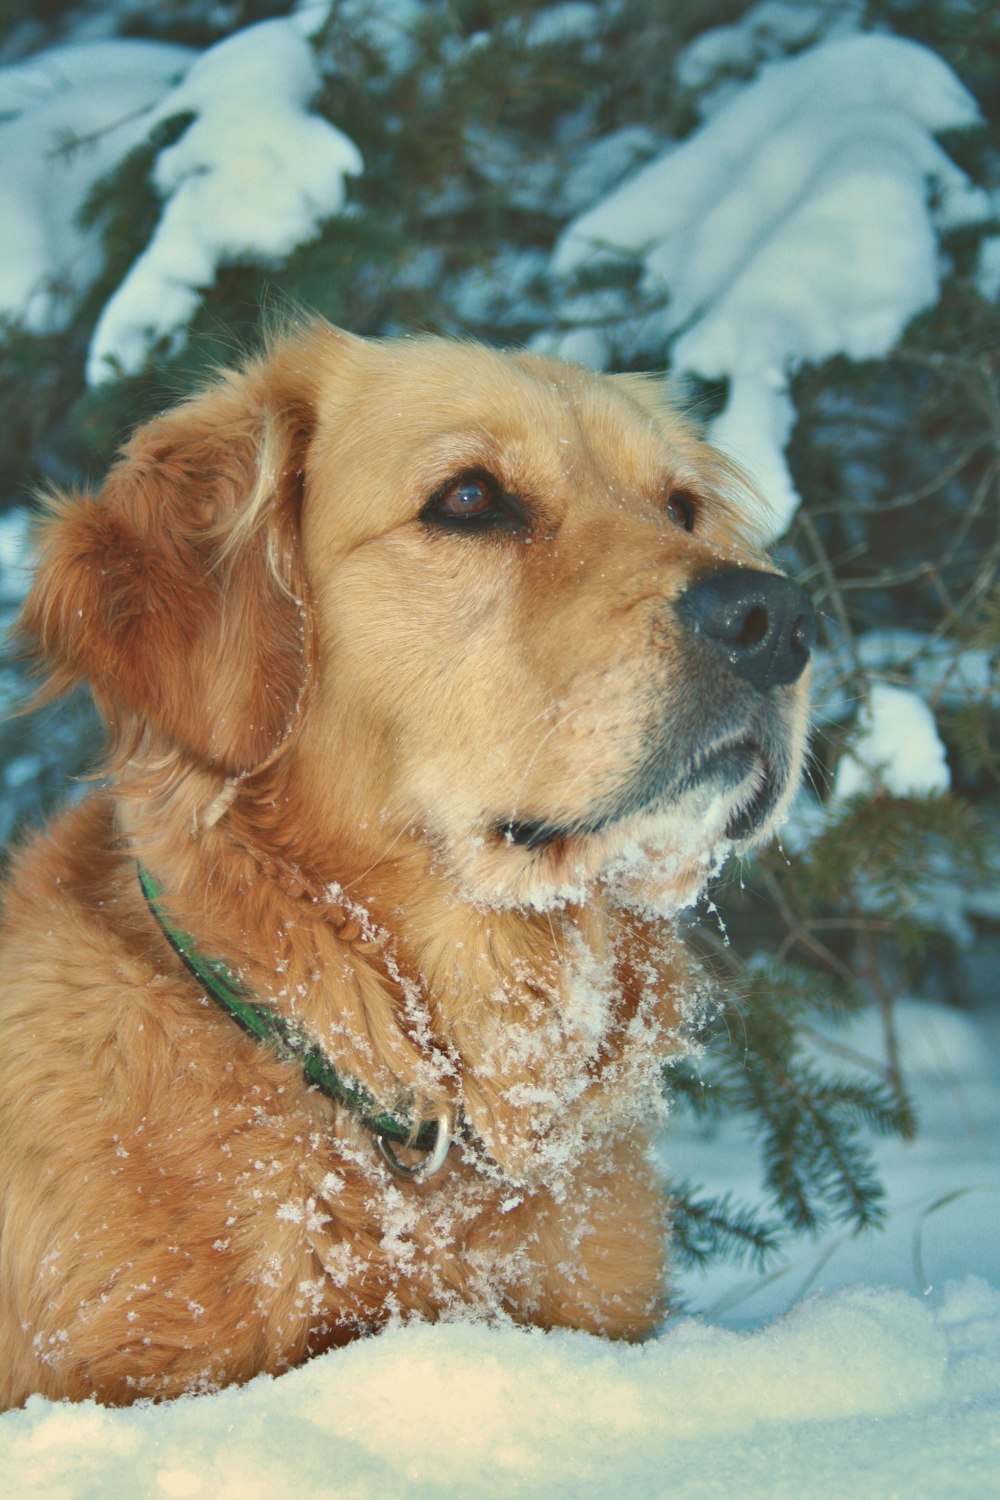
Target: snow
{"type": "Point", "coordinates": [603, 165]}
{"type": "Point", "coordinates": [253, 176]}
{"type": "Point", "coordinates": [898, 749]}
{"type": "Point", "coordinates": [559, 23]}
{"type": "Point", "coordinates": [988, 271]}
{"type": "Point", "coordinates": [386, 26]}
{"type": "Point", "coordinates": [765, 33]}
{"type": "Point", "coordinates": [435, 1412]}
{"type": "Point", "coordinates": [312, 15]}
{"type": "Point", "coordinates": [950, 676]}
{"type": "Point", "coordinates": [794, 225]}
{"type": "Point", "coordinates": [15, 555]}
{"type": "Point", "coordinates": [67, 118]}
{"type": "Point", "coordinates": [942, 1189]}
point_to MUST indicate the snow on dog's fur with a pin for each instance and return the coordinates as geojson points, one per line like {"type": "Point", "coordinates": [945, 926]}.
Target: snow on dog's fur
{"type": "Point", "coordinates": [435, 679]}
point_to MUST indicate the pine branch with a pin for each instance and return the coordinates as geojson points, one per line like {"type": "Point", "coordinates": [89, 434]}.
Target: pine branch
{"type": "Point", "coordinates": [810, 1124]}
{"type": "Point", "coordinates": [706, 1229]}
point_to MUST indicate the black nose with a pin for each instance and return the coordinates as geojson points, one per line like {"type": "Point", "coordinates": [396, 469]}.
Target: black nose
{"type": "Point", "coordinates": [764, 625]}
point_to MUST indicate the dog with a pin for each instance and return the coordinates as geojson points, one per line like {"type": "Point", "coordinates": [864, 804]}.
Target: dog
{"type": "Point", "coordinates": [437, 681]}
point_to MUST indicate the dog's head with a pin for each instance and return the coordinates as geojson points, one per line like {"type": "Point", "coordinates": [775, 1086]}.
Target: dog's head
{"type": "Point", "coordinates": [521, 596]}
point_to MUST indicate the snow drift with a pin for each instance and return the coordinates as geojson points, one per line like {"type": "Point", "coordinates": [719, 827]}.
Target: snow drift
{"type": "Point", "coordinates": [867, 1381]}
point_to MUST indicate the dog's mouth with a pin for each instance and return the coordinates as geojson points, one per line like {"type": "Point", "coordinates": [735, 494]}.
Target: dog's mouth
{"type": "Point", "coordinates": [739, 770]}
{"type": "Point", "coordinates": [745, 768]}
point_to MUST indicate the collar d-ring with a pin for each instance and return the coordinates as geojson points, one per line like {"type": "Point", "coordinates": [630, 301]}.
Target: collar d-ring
{"type": "Point", "coordinates": [434, 1160]}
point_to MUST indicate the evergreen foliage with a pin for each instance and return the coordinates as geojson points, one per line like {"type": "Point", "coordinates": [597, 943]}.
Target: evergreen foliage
{"type": "Point", "coordinates": [470, 155]}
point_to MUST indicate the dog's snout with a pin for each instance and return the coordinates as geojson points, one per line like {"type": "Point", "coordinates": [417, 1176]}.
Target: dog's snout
{"type": "Point", "coordinates": [763, 624]}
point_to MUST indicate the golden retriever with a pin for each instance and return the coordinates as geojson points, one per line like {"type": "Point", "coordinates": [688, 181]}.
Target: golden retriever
{"type": "Point", "coordinates": [436, 680]}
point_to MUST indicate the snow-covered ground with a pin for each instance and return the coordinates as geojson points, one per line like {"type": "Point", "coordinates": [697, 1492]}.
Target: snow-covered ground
{"type": "Point", "coordinates": [861, 1368]}
{"type": "Point", "coordinates": [862, 1396]}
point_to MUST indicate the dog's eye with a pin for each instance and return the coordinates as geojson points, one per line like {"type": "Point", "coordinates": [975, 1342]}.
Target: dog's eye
{"type": "Point", "coordinates": [467, 499]}
{"type": "Point", "coordinates": [682, 510]}
{"type": "Point", "coordinates": [474, 502]}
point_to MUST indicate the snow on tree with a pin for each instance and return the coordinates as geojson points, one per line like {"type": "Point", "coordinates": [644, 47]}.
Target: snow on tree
{"type": "Point", "coordinates": [793, 226]}
{"type": "Point", "coordinates": [898, 749]}
{"type": "Point", "coordinates": [252, 176]}
{"type": "Point", "coordinates": [67, 118]}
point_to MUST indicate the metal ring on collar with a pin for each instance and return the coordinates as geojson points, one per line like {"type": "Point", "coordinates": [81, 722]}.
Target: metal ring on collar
{"type": "Point", "coordinates": [434, 1160]}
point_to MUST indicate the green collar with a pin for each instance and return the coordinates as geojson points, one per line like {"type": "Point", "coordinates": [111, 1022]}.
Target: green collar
{"type": "Point", "coordinates": [292, 1045]}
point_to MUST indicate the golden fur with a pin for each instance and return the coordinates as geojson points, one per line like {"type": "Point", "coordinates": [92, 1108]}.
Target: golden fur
{"type": "Point", "coordinates": [377, 767]}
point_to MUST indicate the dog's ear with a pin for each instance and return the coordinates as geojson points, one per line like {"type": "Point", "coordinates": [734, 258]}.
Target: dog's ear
{"type": "Point", "coordinates": [175, 591]}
